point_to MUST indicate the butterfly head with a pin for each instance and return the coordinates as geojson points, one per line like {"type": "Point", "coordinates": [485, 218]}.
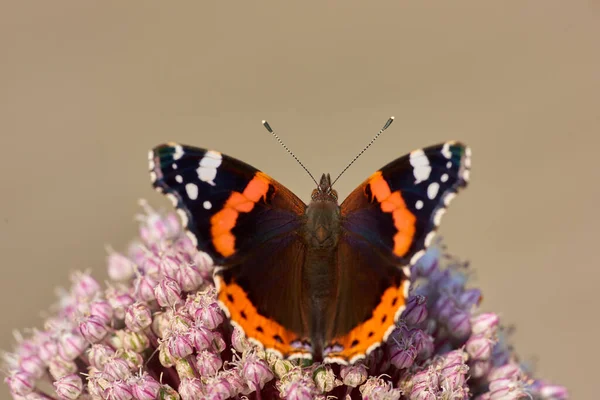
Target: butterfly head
{"type": "Point", "coordinates": [324, 192]}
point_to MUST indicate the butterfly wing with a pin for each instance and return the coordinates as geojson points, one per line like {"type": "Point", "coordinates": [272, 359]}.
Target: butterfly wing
{"type": "Point", "coordinates": [387, 223]}
{"type": "Point", "coordinates": [247, 223]}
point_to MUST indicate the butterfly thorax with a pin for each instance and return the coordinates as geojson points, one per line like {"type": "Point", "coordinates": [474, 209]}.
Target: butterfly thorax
{"type": "Point", "coordinates": [319, 275]}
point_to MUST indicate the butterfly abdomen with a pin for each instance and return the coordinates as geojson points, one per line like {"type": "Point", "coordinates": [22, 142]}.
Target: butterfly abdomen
{"type": "Point", "coordinates": [319, 274]}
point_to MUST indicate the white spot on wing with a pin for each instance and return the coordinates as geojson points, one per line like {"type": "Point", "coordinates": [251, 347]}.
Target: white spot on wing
{"type": "Point", "coordinates": [437, 217]}
{"type": "Point", "coordinates": [446, 150]}
{"type": "Point", "coordinates": [172, 199]}
{"type": "Point", "coordinates": [420, 164]}
{"type": "Point", "coordinates": [207, 205]}
{"type": "Point", "coordinates": [444, 178]}
{"type": "Point", "coordinates": [406, 271]}
{"type": "Point", "coordinates": [449, 164]}
{"type": "Point", "coordinates": [448, 198]}
{"type": "Point", "coordinates": [416, 257]}
{"type": "Point", "coordinates": [432, 190]}
{"type": "Point", "coordinates": [207, 171]}
{"type": "Point", "coordinates": [466, 175]}
{"type": "Point", "coordinates": [179, 179]}
{"type": "Point", "coordinates": [429, 238]}
{"type": "Point", "coordinates": [178, 153]}
{"type": "Point", "coordinates": [192, 237]}
{"type": "Point", "coordinates": [192, 191]}
{"type": "Point", "coordinates": [419, 204]}
{"type": "Point", "coordinates": [183, 216]}
{"type": "Point", "coordinates": [174, 166]}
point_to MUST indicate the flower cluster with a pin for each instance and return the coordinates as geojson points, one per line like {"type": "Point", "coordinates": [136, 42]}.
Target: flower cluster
{"type": "Point", "coordinates": [157, 332]}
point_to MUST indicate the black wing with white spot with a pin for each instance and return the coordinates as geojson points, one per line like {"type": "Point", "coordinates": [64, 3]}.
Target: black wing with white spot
{"type": "Point", "coordinates": [227, 206]}
{"type": "Point", "coordinates": [399, 208]}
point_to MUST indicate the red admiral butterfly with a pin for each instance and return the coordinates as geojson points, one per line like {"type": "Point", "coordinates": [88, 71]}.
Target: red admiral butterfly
{"type": "Point", "coordinates": [323, 281]}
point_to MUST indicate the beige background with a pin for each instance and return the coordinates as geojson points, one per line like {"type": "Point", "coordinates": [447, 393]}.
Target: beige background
{"type": "Point", "coordinates": [86, 88]}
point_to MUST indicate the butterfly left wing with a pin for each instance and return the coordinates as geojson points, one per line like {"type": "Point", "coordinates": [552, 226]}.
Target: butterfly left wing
{"type": "Point", "coordinates": [247, 223]}
{"type": "Point", "coordinates": [387, 223]}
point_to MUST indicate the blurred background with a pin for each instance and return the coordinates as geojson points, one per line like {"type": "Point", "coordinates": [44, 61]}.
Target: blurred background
{"type": "Point", "coordinates": [87, 88]}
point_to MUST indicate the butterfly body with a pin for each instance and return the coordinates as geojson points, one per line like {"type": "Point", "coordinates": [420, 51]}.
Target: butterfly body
{"type": "Point", "coordinates": [321, 281]}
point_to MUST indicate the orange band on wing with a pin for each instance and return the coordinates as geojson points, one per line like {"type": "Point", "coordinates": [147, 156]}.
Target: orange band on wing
{"type": "Point", "coordinates": [233, 300]}
{"type": "Point", "coordinates": [223, 221]}
{"type": "Point", "coordinates": [393, 203]}
{"type": "Point", "coordinates": [365, 337]}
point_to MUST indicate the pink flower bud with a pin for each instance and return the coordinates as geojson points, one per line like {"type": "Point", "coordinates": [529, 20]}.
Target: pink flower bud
{"type": "Point", "coordinates": [549, 391]}
{"type": "Point", "coordinates": [71, 345]}
{"type": "Point", "coordinates": [423, 344]}
{"type": "Point", "coordinates": [353, 375]}
{"type": "Point", "coordinates": [161, 322]}
{"type": "Point", "coordinates": [510, 371]}
{"type": "Point", "coordinates": [120, 390]}
{"type": "Point", "coordinates": [164, 355]}
{"type": "Point", "coordinates": [69, 387]}
{"type": "Point", "coordinates": [325, 379]}
{"type": "Point", "coordinates": [93, 329]}
{"type": "Point", "coordinates": [218, 343]}
{"type": "Point", "coordinates": [169, 266]}
{"type": "Point", "coordinates": [134, 360]}
{"type": "Point", "coordinates": [485, 323]}
{"type": "Point", "coordinates": [33, 365]}
{"type": "Point", "coordinates": [189, 278]}
{"type": "Point", "coordinates": [144, 286]}
{"type": "Point", "coordinates": [444, 308]}
{"type": "Point", "coordinates": [120, 268]}
{"type": "Point", "coordinates": [210, 316]}
{"type": "Point", "coordinates": [138, 317]}
{"type": "Point", "coordinates": [455, 376]}
{"type": "Point", "coordinates": [119, 301]}
{"type": "Point", "coordinates": [84, 286]}
{"type": "Point", "coordinates": [459, 325]}
{"type": "Point", "coordinates": [102, 310]}
{"type": "Point", "coordinates": [239, 340]}
{"type": "Point", "coordinates": [298, 389]}
{"type": "Point", "coordinates": [469, 298]}
{"type": "Point", "coordinates": [479, 347]}
{"type": "Point", "coordinates": [402, 356]}
{"type": "Point", "coordinates": [168, 293]}
{"type": "Point", "coordinates": [179, 346]}
{"type": "Point", "coordinates": [479, 368]}
{"type": "Point", "coordinates": [201, 337]}
{"type": "Point", "coordinates": [204, 264]}
{"type": "Point", "coordinates": [60, 367]}
{"type": "Point", "coordinates": [208, 363]}
{"type": "Point", "coordinates": [144, 387]}
{"type": "Point", "coordinates": [20, 383]}
{"type": "Point", "coordinates": [117, 369]}
{"type": "Point", "coordinates": [423, 392]}
{"type": "Point", "coordinates": [377, 388]}
{"type": "Point", "coordinates": [150, 265]}
{"type": "Point", "coordinates": [232, 377]}
{"type": "Point", "coordinates": [192, 389]}
{"type": "Point", "coordinates": [416, 310]}
{"type": "Point", "coordinates": [256, 372]}
{"type": "Point", "coordinates": [48, 349]}
{"type": "Point", "coordinates": [502, 389]}
{"type": "Point", "coordinates": [99, 354]}
{"type": "Point", "coordinates": [135, 341]}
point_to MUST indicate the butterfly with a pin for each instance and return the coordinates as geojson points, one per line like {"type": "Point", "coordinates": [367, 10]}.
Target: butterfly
{"type": "Point", "coordinates": [323, 281]}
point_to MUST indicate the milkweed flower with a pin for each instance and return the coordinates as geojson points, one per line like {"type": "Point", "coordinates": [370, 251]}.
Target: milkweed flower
{"type": "Point", "coordinates": [156, 331]}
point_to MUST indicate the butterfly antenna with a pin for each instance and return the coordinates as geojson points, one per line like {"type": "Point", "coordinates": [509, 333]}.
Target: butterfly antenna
{"type": "Point", "coordinates": [268, 127]}
{"type": "Point", "coordinates": [387, 125]}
